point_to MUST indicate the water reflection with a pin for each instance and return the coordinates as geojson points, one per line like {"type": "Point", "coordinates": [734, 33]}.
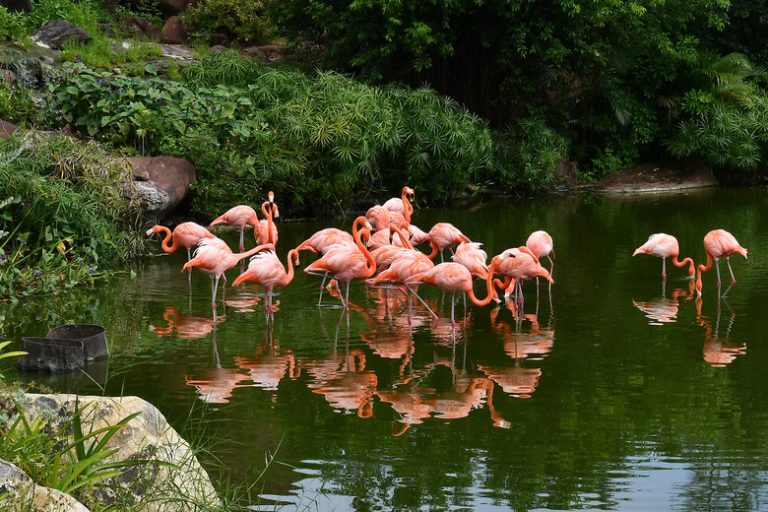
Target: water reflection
{"type": "Point", "coordinates": [185, 326]}
{"type": "Point", "coordinates": [523, 339]}
{"type": "Point", "coordinates": [342, 378]}
{"type": "Point", "coordinates": [217, 384]}
{"type": "Point", "coordinates": [663, 310]}
{"type": "Point", "coordinates": [270, 364]}
{"type": "Point", "coordinates": [718, 349]}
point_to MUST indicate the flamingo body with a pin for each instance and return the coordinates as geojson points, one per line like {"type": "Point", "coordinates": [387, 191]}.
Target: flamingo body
{"type": "Point", "coordinates": [665, 246]}
{"type": "Point", "coordinates": [719, 243]}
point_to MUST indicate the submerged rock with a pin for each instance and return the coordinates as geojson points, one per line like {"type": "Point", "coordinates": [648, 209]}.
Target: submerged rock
{"type": "Point", "coordinates": [172, 480]}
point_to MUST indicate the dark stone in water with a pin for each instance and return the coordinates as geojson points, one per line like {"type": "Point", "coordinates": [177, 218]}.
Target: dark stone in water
{"type": "Point", "coordinates": [66, 348]}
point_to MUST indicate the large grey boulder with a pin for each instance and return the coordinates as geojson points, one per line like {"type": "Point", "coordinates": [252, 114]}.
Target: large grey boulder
{"type": "Point", "coordinates": [161, 183]}
{"type": "Point", "coordinates": [56, 33]}
{"type": "Point", "coordinates": [18, 493]}
{"type": "Point", "coordinates": [173, 482]}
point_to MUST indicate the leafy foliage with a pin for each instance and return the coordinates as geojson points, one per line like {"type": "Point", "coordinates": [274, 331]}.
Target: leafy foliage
{"type": "Point", "coordinates": [62, 214]}
{"type": "Point", "coordinates": [12, 26]}
{"type": "Point", "coordinates": [240, 20]}
{"type": "Point", "coordinates": [317, 141]}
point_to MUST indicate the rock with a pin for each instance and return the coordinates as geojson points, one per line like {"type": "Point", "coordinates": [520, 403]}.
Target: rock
{"type": "Point", "coordinates": [173, 7]}
{"type": "Point", "coordinates": [174, 31]}
{"type": "Point", "coordinates": [177, 52]}
{"type": "Point", "coordinates": [143, 28]}
{"type": "Point", "coordinates": [161, 183]}
{"type": "Point", "coordinates": [6, 129]}
{"type": "Point", "coordinates": [56, 33]}
{"type": "Point", "coordinates": [17, 5]}
{"type": "Point", "coordinates": [267, 52]}
{"type": "Point", "coordinates": [177, 484]}
{"type": "Point", "coordinates": [217, 48]}
{"type": "Point", "coordinates": [106, 29]}
{"type": "Point", "coordinates": [217, 39]}
{"type": "Point", "coordinates": [7, 76]}
{"type": "Point", "coordinates": [24, 494]}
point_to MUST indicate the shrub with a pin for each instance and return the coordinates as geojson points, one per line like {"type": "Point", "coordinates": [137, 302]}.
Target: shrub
{"type": "Point", "coordinates": [241, 20]}
{"type": "Point", "coordinates": [62, 214]}
{"type": "Point", "coordinates": [317, 141]}
{"type": "Point", "coordinates": [11, 25]}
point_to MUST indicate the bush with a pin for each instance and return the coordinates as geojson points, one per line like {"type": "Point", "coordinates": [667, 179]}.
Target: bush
{"type": "Point", "coordinates": [319, 142]}
{"type": "Point", "coordinates": [62, 214]}
{"type": "Point", "coordinates": [528, 156]}
{"type": "Point", "coordinates": [15, 104]}
{"type": "Point", "coordinates": [243, 21]}
{"type": "Point", "coordinates": [11, 25]}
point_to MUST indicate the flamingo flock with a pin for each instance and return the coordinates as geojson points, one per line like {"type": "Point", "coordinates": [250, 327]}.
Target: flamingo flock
{"type": "Point", "coordinates": [380, 249]}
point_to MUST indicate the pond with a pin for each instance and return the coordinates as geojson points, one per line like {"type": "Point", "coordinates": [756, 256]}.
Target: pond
{"type": "Point", "coordinates": [614, 391]}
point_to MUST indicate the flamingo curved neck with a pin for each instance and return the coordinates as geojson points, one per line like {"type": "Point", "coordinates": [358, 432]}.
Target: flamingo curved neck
{"type": "Point", "coordinates": [489, 289]}
{"type": "Point", "coordinates": [701, 269]}
{"type": "Point", "coordinates": [370, 261]}
{"type": "Point", "coordinates": [289, 275]}
{"type": "Point", "coordinates": [240, 255]}
{"type": "Point", "coordinates": [406, 242]}
{"type": "Point", "coordinates": [435, 250]}
{"type": "Point", "coordinates": [166, 244]}
{"type": "Point", "coordinates": [684, 262]}
{"type": "Point", "coordinates": [268, 215]}
{"type": "Point", "coordinates": [407, 207]}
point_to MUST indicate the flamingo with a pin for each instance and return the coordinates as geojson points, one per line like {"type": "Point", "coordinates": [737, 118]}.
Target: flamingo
{"type": "Point", "coordinates": [418, 236]}
{"type": "Point", "coordinates": [266, 231]}
{"type": "Point", "coordinates": [214, 257]}
{"type": "Point", "coordinates": [454, 278]}
{"type": "Point", "coordinates": [186, 234]}
{"type": "Point", "coordinates": [266, 270]}
{"type": "Point", "coordinates": [519, 263]}
{"type": "Point", "coordinates": [402, 204]}
{"type": "Point", "coordinates": [473, 257]}
{"type": "Point", "coordinates": [664, 246]}
{"type": "Point", "coordinates": [321, 241]}
{"type": "Point", "coordinates": [444, 235]}
{"type": "Point", "coordinates": [347, 262]}
{"type": "Point", "coordinates": [238, 216]}
{"type": "Point", "coordinates": [540, 243]}
{"type": "Point", "coordinates": [719, 243]}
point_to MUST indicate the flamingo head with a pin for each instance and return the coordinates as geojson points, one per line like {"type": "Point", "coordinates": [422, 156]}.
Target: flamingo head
{"type": "Point", "coordinates": [496, 261]}
{"type": "Point", "coordinates": [153, 230]}
{"type": "Point", "coordinates": [409, 192]}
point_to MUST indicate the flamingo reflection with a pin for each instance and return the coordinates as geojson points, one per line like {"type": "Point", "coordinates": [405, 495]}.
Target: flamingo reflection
{"type": "Point", "coordinates": [187, 326]}
{"type": "Point", "coordinates": [663, 310]}
{"type": "Point", "coordinates": [218, 383]}
{"type": "Point", "coordinates": [343, 379]}
{"type": "Point", "coordinates": [270, 364]}
{"type": "Point", "coordinates": [718, 349]}
{"type": "Point", "coordinates": [519, 345]}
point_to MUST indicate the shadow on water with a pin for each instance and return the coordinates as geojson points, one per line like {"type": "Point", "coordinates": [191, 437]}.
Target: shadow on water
{"type": "Point", "coordinates": [612, 403]}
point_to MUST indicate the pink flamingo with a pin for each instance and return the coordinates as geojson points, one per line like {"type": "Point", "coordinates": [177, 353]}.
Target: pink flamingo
{"type": "Point", "coordinates": [719, 243]}
{"type": "Point", "coordinates": [444, 235]}
{"type": "Point", "coordinates": [402, 204]}
{"type": "Point", "coordinates": [473, 257]}
{"type": "Point", "coordinates": [186, 234]}
{"type": "Point", "coordinates": [347, 262]}
{"type": "Point", "coordinates": [214, 258]}
{"type": "Point", "coordinates": [664, 246]}
{"type": "Point", "coordinates": [454, 277]}
{"type": "Point", "coordinates": [238, 216]}
{"type": "Point", "coordinates": [540, 243]}
{"type": "Point", "coordinates": [266, 270]}
{"type": "Point", "coordinates": [266, 231]}
{"type": "Point", "coordinates": [517, 264]}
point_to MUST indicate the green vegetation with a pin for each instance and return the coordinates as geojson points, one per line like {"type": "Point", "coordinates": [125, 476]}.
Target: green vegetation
{"type": "Point", "coordinates": [319, 142]}
{"type": "Point", "coordinates": [243, 21]}
{"type": "Point", "coordinates": [63, 214]}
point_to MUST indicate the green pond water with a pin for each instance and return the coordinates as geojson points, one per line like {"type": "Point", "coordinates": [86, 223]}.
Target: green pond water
{"type": "Point", "coordinates": [612, 393]}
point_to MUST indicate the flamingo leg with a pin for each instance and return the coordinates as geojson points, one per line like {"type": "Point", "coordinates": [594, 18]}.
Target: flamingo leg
{"type": "Point", "coordinates": [453, 307]}
{"type": "Point", "coordinates": [733, 278]}
{"type": "Point", "coordinates": [663, 269]}
{"type": "Point", "coordinates": [551, 266]}
{"type": "Point", "coordinates": [717, 268]}
{"type": "Point", "coordinates": [322, 287]}
{"type": "Point", "coordinates": [346, 302]}
{"type": "Point", "coordinates": [242, 239]}
{"type": "Point", "coordinates": [434, 316]}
